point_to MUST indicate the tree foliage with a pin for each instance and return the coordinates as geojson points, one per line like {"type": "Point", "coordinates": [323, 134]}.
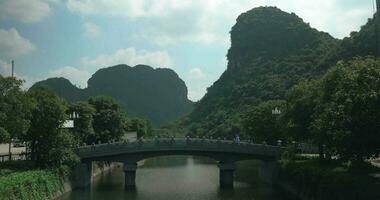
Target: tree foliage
{"type": "Point", "coordinates": [4, 135]}
{"type": "Point", "coordinates": [348, 110]}
{"type": "Point", "coordinates": [341, 110]}
{"type": "Point", "coordinates": [141, 126]}
{"type": "Point", "coordinates": [83, 125]}
{"type": "Point", "coordinates": [108, 120]}
{"type": "Point", "coordinates": [15, 108]}
{"type": "Point", "coordinates": [263, 125]}
{"type": "Point", "coordinates": [302, 99]}
{"type": "Point", "coordinates": [48, 143]}
{"type": "Point", "coordinates": [271, 51]}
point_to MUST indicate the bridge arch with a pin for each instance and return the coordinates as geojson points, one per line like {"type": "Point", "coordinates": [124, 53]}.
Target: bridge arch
{"type": "Point", "coordinates": [226, 153]}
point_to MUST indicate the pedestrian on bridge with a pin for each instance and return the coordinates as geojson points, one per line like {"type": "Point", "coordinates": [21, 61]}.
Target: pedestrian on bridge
{"type": "Point", "coordinates": [235, 131]}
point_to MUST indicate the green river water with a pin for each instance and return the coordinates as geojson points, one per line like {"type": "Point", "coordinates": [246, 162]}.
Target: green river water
{"type": "Point", "coordinates": [178, 178]}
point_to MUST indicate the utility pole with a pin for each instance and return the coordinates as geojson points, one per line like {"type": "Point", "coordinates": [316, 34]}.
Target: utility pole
{"type": "Point", "coordinates": [13, 68]}
{"type": "Point", "coordinates": [377, 29]}
{"type": "Point", "coordinates": [10, 142]}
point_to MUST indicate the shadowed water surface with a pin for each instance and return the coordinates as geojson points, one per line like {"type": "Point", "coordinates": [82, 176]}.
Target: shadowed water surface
{"type": "Point", "coordinates": [178, 178]}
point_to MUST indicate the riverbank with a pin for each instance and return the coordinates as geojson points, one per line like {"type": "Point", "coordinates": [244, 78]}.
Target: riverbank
{"type": "Point", "coordinates": [312, 179]}
{"type": "Point", "coordinates": [21, 180]}
{"type": "Point", "coordinates": [33, 184]}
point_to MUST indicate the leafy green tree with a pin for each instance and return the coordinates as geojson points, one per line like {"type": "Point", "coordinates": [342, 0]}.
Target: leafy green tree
{"type": "Point", "coordinates": [15, 107]}
{"type": "Point", "coordinates": [4, 135]}
{"type": "Point", "coordinates": [262, 125]}
{"type": "Point", "coordinates": [83, 126]}
{"type": "Point", "coordinates": [108, 120]}
{"type": "Point", "coordinates": [142, 127]}
{"type": "Point", "coordinates": [62, 155]}
{"type": "Point", "coordinates": [347, 116]}
{"type": "Point", "coordinates": [301, 101]}
{"type": "Point", "coordinates": [44, 134]}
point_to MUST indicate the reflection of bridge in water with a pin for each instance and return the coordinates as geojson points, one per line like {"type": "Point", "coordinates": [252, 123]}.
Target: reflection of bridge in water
{"type": "Point", "coordinates": [226, 153]}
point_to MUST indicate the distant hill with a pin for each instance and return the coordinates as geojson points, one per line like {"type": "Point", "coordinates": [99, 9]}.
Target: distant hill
{"type": "Point", "coordinates": [271, 51]}
{"type": "Point", "coordinates": [156, 94]}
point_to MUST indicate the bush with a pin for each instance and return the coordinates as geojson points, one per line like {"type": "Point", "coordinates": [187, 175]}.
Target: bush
{"type": "Point", "coordinates": [36, 184]}
{"type": "Point", "coordinates": [15, 166]}
{"type": "Point", "coordinates": [329, 180]}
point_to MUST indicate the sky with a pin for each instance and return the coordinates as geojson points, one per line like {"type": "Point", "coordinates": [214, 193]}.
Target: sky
{"type": "Point", "coordinates": [75, 38]}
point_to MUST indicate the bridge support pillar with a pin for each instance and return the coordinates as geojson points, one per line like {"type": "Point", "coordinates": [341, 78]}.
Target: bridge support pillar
{"type": "Point", "coordinates": [268, 171]}
{"type": "Point", "coordinates": [130, 175]}
{"type": "Point", "coordinates": [226, 174]}
{"type": "Point", "coordinates": [83, 175]}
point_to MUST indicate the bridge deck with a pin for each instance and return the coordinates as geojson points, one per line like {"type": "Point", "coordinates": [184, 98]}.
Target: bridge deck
{"type": "Point", "coordinates": [177, 144]}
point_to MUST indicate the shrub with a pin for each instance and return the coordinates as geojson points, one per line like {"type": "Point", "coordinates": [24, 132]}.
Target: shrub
{"type": "Point", "coordinates": [36, 184]}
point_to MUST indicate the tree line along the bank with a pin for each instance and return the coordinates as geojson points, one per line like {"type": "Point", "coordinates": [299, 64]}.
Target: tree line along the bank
{"type": "Point", "coordinates": [36, 116]}
{"type": "Point", "coordinates": [338, 112]}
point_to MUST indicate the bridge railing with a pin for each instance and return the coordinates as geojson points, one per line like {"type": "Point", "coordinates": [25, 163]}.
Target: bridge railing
{"type": "Point", "coordinates": [193, 144]}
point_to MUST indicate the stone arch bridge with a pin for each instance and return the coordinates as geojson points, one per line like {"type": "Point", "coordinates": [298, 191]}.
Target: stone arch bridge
{"type": "Point", "coordinates": [225, 152]}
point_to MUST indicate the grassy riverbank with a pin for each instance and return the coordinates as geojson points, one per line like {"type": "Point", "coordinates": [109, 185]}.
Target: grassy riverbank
{"type": "Point", "coordinates": [313, 179]}
{"type": "Point", "coordinates": [21, 180]}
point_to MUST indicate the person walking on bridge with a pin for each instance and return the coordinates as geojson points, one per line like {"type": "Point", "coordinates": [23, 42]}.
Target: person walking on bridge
{"type": "Point", "coordinates": [235, 131]}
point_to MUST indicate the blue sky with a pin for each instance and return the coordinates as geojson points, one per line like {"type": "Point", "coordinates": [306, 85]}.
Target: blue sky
{"type": "Point", "coordinates": [74, 38]}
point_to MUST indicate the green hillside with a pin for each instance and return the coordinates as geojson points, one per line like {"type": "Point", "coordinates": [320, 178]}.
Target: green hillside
{"type": "Point", "coordinates": [270, 52]}
{"type": "Point", "coordinates": [156, 94]}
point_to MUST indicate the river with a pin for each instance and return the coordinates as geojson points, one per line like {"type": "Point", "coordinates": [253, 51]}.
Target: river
{"type": "Point", "coordinates": [178, 178]}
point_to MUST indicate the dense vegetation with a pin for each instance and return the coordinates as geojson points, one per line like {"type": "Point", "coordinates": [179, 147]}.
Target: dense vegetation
{"type": "Point", "coordinates": [156, 94]}
{"type": "Point", "coordinates": [273, 56]}
{"type": "Point", "coordinates": [33, 184]}
{"type": "Point", "coordinates": [37, 117]}
{"type": "Point", "coordinates": [270, 52]}
{"type": "Point", "coordinates": [325, 92]}
{"type": "Point", "coordinates": [339, 111]}
{"type": "Point", "coordinates": [329, 180]}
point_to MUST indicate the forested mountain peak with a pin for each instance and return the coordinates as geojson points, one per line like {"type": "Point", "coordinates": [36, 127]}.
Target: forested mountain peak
{"type": "Point", "coordinates": [157, 94]}
{"type": "Point", "coordinates": [271, 51]}
{"type": "Point", "coordinates": [270, 33]}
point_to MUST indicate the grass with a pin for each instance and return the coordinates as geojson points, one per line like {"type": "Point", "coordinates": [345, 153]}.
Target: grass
{"type": "Point", "coordinates": [23, 180]}
{"type": "Point", "coordinates": [34, 184]}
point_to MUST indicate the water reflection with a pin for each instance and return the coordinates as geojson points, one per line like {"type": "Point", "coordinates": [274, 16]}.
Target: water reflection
{"type": "Point", "coordinates": [179, 178]}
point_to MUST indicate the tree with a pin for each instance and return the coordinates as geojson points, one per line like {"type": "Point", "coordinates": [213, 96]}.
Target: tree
{"type": "Point", "coordinates": [142, 127]}
{"type": "Point", "coordinates": [108, 121]}
{"type": "Point", "coordinates": [4, 135]}
{"type": "Point", "coordinates": [347, 116]}
{"type": "Point", "coordinates": [83, 126]}
{"type": "Point", "coordinates": [262, 125]}
{"type": "Point", "coordinates": [44, 134]}
{"type": "Point", "coordinates": [15, 108]}
{"type": "Point", "coordinates": [62, 155]}
{"type": "Point", "coordinates": [301, 101]}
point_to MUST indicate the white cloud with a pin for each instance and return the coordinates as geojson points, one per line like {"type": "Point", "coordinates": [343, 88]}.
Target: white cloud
{"type": "Point", "coordinates": [27, 11]}
{"type": "Point", "coordinates": [169, 22]}
{"type": "Point", "coordinates": [195, 94]}
{"type": "Point", "coordinates": [12, 44]}
{"type": "Point", "coordinates": [92, 30]}
{"type": "Point", "coordinates": [75, 75]}
{"type": "Point", "coordinates": [196, 73]}
{"type": "Point", "coordinates": [131, 57]}
{"type": "Point", "coordinates": [5, 68]}
{"type": "Point", "coordinates": [338, 17]}
{"type": "Point", "coordinates": [130, 8]}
